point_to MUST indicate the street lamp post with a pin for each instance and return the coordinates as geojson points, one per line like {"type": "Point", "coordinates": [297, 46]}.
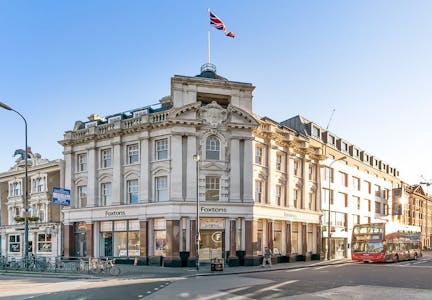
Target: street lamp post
{"type": "Point", "coordinates": [428, 184]}
{"type": "Point", "coordinates": [26, 229]}
{"type": "Point", "coordinates": [197, 158]}
{"type": "Point", "coordinates": [329, 209]}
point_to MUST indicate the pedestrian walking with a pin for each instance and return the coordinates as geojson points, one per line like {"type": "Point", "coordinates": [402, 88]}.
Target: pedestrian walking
{"type": "Point", "coordinates": [267, 257]}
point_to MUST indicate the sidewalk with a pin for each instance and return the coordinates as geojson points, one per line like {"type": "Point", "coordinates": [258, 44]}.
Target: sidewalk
{"type": "Point", "coordinates": [130, 271]}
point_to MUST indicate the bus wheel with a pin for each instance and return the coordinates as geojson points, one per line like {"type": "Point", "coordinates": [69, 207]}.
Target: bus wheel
{"type": "Point", "coordinates": [395, 259]}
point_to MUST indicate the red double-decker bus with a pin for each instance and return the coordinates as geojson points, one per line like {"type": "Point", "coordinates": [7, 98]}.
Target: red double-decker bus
{"type": "Point", "coordinates": [385, 242]}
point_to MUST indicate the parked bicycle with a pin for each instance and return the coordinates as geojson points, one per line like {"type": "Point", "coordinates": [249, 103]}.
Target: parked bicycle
{"type": "Point", "coordinates": [106, 266]}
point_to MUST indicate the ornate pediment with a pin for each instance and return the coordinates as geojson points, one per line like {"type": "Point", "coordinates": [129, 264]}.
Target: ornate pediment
{"type": "Point", "coordinates": [213, 114]}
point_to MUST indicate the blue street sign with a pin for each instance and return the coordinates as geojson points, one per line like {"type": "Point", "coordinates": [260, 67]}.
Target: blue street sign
{"type": "Point", "coordinates": [61, 196]}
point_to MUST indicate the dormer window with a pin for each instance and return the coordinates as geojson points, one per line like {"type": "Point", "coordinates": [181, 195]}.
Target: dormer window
{"type": "Point", "coordinates": [213, 148]}
{"type": "Point", "coordinates": [331, 140]}
{"type": "Point", "coordinates": [316, 132]}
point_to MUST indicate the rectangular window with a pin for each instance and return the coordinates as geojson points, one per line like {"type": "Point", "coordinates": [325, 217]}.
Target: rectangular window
{"type": "Point", "coordinates": [162, 149]}
{"type": "Point", "coordinates": [278, 194]}
{"type": "Point", "coordinates": [44, 242]}
{"type": "Point", "coordinates": [258, 191]}
{"type": "Point", "coordinates": [377, 207]}
{"type": "Point", "coordinates": [329, 174]}
{"type": "Point", "coordinates": [81, 196]}
{"type": "Point", "coordinates": [369, 205]}
{"type": "Point", "coordinates": [356, 201]}
{"type": "Point", "coordinates": [331, 140]}
{"type": "Point", "coordinates": [105, 158]}
{"type": "Point", "coordinates": [160, 239]}
{"type": "Point", "coordinates": [14, 243]}
{"type": "Point", "coordinates": [297, 168]}
{"type": "Point", "coordinates": [212, 188]}
{"type": "Point", "coordinates": [161, 185]}
{"type": "Point", "coordinates": [316, 132]}
{"type": "Point", "coordinates": [258, 155]}
{"type": "Point", "coordinates": [132, 190]}
{"type": "Point", "coordinates": [356, 183]}
{"type": "Point", "coordinates": [368, 187]}
{"type": "Point", "coordinates": [132, 154]}
{"type": "Point", "coordinates": [343, 179]}
{"type": "Point", "coordinates": [279, 162]}
{"type": "Point", "coordinates": [82, 162]}
{"type": "Point", "coordinates": [105, 194]}
{"type": "Point", "coordinates": [312, 168]}
{"type": "Point", "coordinates": [296, 198]}
{"type": "Point", "coordinates": [377, 191]}
{"type": "Point", "coordinates": [328, 195]}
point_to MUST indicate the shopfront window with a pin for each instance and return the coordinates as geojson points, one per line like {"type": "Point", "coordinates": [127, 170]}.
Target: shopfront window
{"type": "Point", "coordinates": [44, 242]}
{"type": "Point", "coordinates": [15, 243]}
{"type": "Point", "coordinates": [160, 242]}
{"type": "Point", "coordinates": [119, 238]}
{"type": "Point", "coordinates": [258, 248]}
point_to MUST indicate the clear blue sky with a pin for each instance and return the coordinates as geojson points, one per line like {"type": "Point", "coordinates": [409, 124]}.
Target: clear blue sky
{"type": "Point", "coordinates": [60, 61]}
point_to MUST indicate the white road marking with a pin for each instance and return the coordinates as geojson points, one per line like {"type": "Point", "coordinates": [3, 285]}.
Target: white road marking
{"type": "Point", "coordinates": [269, 288]}
{"type": "Point", "coordinates": [319, 268]}
{"type": "Point", "coordinates": [294, 270]}
{"type": "Point", "coordinates": [216, 296]}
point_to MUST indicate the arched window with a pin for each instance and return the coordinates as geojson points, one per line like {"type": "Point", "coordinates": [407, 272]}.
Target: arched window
{"type": "Point", "coordinates": [213, 148]}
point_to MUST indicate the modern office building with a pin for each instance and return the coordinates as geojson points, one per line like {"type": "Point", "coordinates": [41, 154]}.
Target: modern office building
{"type": "Point", "coordinates": [44, 218]}
{"type": "Point", "coordinates": [136, 176]}
{"type": "Point", "coordinates": [358, 185]}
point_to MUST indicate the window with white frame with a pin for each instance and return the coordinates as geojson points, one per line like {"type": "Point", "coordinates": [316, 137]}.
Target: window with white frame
{"type": "Point", "coordinates": [44, 242]}
{"type": "Point", "coordinates": [15, 189]}
{"type": "Point", "coordinates": [105, 156]}
{"type": "Point", "coordinates": [343, 179]}
{"type": "Point", "coordinates": [132, 154]}
{"type": "Point", "coordinates": [377, 207]}
{"type": "Point", "coordinates": [278, 162]}
{"type": "Point", "coordinates": [81, 196]}
{"type": "Point", "coordinates": [212, 148]}
{"type": "Point", "coordinates": [356, 183]}
{"type": "Point", "coordinates": [15, 243]}
{"type": "Point", "coordinates": [311, 204]}
{"type": "Point", "coordinates": [82, 162]}
{"type": "Point", "coordinates": [212, 188]}
{"type": "Point", "coordinates": [258, 155]}
{"type": "Point", "coordinates": [297, 168]}
{"type": "Point", "coordinates": [278, 194]}
{"type": "Point", "coordinates": [39, 184]}
{"type": "Point", "coordinates": [296, 197]}
{"type": "Point", "coordinates": [161, 188]}
{"type": "Point", "coordinates": [316, 132]}
{"type": "Point", "coordinates": [312, 172]}
{"type": "Point", "coordinates": [356, 201]}
{"type": "Point", "coordinates": [331, 140]}
{"type": "Point", "coordinates": [105, 194]}
{"type": "Point", "coordinates": [132, 191]}
{"type": "Point", "coordinates": [258, 191]}
{"type": "Point", "coordinates": [328, 195]}
{"type": "Point", "coordinates": [161, 149]}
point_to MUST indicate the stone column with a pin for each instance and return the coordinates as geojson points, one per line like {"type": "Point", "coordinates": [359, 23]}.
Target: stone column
{"type": "Point", "coordinates": [248, 169]}
{"type": "Point", "coordinates": [172, 258]}
{"type": "Point", "coordinates": [143, 236]}
{"type": "Point", "coordinates": [117, 183]}
{"type": "Point", "coordinates": [68, 240]}
{"type": "Point", "coordinates": [235, 172]}
{"type": "Point", "coordinates": [176, 193]}
{"type": "Point", "coordinates": [192, 247]}
{"type": "Point", "coordinates": [89, 240]}
{"type": "Point", "coordinates": [232, 248]}
{"type": "Point", "coordinates": [92, 183]}
{"type": "Point", "coordinates": [270, 234]}
{"type": "Point", "coordinates": [145, 178]}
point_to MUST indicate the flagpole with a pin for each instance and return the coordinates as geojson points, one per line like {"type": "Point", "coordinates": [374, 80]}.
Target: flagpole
{"type": "Point", "coordinates": [208, 40]}
{"type": "Point", "coordinates": [208, 45]}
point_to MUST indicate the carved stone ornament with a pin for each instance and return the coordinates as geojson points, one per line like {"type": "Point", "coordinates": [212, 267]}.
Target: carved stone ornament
{"type": "Point", "coordinates": [213, 114]}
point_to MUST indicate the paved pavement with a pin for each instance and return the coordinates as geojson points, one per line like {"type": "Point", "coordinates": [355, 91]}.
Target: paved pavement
{"type": "Point", "coordinates": [130, 271]}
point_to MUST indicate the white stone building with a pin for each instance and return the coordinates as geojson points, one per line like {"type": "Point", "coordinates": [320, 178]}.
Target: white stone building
{"type": "Point", "coordinates": [135, 182]}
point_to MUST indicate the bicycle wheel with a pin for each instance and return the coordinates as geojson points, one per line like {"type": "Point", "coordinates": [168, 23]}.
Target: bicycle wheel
{"type": "Point", "coordinates": [115, 271]}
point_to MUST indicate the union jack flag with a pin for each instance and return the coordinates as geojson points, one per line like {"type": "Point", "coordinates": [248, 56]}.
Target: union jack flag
{"type": "Point", "coordinates": [217, 23]}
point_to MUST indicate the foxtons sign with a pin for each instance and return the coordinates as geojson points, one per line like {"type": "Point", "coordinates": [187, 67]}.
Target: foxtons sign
{"type": "Point", "coordinates": [115, 213]}
{"type": "Point", "coordinates": [216, 210]}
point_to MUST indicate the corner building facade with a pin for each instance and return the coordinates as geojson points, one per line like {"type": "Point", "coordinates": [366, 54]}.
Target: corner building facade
{"type": "Point", "coordinates": [134, 181]}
